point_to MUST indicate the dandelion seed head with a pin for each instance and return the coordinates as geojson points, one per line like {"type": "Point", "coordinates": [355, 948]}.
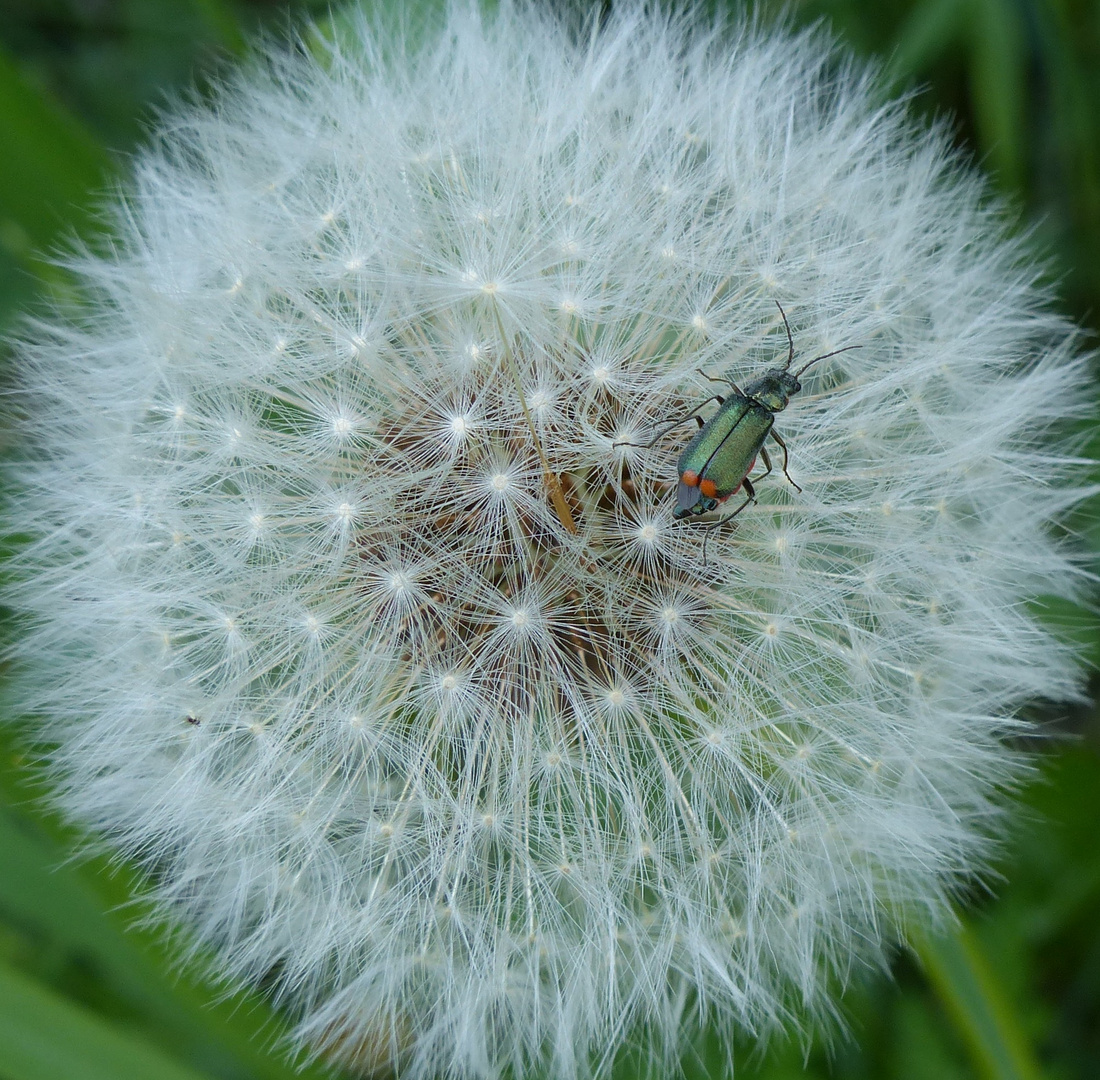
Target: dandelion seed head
{"type": "Point", "coordinates": [363, 444]}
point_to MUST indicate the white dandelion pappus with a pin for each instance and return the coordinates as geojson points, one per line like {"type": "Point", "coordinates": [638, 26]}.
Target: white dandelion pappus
{"type": "Point", "coordinates": [351, 617]}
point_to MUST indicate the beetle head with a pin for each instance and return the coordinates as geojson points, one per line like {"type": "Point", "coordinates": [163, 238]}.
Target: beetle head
{"type": "Point", "coordinates": [773, 389]}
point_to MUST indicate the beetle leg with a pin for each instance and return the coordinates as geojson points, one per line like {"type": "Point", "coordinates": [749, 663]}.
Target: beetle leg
{"type": "Point", "coordinates": [670, 425]}
{"type": "Point", "coordinates": [767, 461]}
{"type": "Point", "coordinates": [784, 447]}
{"type": "Point", "coordinates": [750, 496]}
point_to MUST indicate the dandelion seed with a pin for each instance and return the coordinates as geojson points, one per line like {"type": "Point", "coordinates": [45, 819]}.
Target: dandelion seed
{"type": "Point", "coordinates": [494, 771]}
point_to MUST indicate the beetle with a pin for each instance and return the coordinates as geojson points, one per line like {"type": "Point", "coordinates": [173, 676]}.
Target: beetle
{"type": "Point", "coordinates": [717, 462]}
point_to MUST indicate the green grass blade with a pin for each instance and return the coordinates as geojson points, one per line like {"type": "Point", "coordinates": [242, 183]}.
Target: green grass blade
{"type": "Point", "coordinates": [966, 986]}
{"type": "Point", "coordinates": [998, 87]}
{"type": "Point", "coordinates": [927, 33]}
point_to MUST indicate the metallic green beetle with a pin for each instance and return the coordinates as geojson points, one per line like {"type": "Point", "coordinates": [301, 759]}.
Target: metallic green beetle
{"type": "Point", "coordinates": [717, 462]}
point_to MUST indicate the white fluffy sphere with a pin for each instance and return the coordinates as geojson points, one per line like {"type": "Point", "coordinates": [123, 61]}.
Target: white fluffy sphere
{"type": "Point", "coordinates": [355, 604]}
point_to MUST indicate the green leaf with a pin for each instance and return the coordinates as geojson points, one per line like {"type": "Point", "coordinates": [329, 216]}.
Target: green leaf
{"type": "Point", "coordinates": [49, 163]}
{"type": "Point", "coordinates": [48, 167]}
{"type": "Point", "coordinates": [220, 18]}
{"type": "Point", "coordinates": [45, 1037]}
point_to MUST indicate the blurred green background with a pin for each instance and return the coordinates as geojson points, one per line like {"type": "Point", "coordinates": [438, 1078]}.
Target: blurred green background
{"type": "Point", "coordinates": [1014, 993]}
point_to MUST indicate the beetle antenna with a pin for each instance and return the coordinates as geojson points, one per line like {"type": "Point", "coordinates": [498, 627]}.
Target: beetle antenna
{"type": "Point", "coordinates": [825, 356]}
{"type": "Point", "coordinates": [790, 339]}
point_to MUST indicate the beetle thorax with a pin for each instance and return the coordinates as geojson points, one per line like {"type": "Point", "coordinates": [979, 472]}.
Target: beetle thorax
{"type": "Point", "coordinates": [773, 389]}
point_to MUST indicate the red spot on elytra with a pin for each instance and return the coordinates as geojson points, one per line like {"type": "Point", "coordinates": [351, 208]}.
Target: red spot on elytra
{"type": "Point", "coordinates": [690, 478]}
{"type": "Point", "coordinates": [709, 488]}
